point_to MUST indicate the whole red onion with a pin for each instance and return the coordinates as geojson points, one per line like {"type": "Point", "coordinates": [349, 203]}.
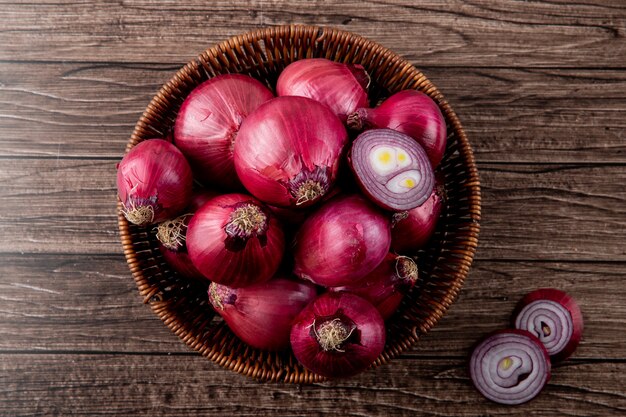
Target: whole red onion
{"type": "Point", "coordinates": [386, 285]}
{"type": "Point", "coordinates": [208, 122]}
{"type": "Point", "coordinates": [234, 240]}
{"type": "Point", "coordinates": [262, 314]}
{"type": "Point", "coordinates": [411, 230]}
{"type": "Point", "coordinates": [338, 335]}
{"type": "Point", "coordinates": [154, 182]}
{"type": "Point", "coordinates": [391, 169]}
{"type": "Point", "coordinates": [554, 317]}
{"type": "Point", "coordinates": [412, 113]}
{"type": "Point", "coordinates": [341, 87]}
{"type": "Point", "coordinates": [288, 150]}
{"type": "Point", "coordinates": [341, 242]}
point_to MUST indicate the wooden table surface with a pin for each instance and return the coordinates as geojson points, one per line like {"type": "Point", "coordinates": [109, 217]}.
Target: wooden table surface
{"type": "Point", "coordinates": [540, 87]}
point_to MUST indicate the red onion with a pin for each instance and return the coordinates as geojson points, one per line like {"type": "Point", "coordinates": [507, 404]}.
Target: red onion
{"type": "Point", "coordinates": [410, 112]}
{"type": "Point", "coordinates": [341, 87]}
{"type": "Point", "coordinates": [208, 122]}
{"type": "Point", "coordinates": [554, 317]}
{"type": "Point", "coordinates": [338, 335]}
{"type": "Point", "coordinates": [386, 285]}
{"type": "Point", "coordinates": [199, 197]}
{"type": "Point", "coordinates": [234, 240]}
{"type": "Point", "coordinates": [262, 314]}
{"type": "Point", "coordinates": [412, 229]}
{"type": "Point", "coordinates": [288, 150]}
{"type": "Point", "coordinates": [341, 242]}
{"type": "Point", "coordinates": [154, 182]}
{"type": "Point", "coordinates": [171, 235]}
{"type": "Point", "coordinates": [510, 366]}
{"type": "Point", "coordinates": [392, 169]}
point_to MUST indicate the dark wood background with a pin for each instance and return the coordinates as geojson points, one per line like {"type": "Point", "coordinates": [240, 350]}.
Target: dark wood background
{"type": "Point", "coordinates": [540, 87]}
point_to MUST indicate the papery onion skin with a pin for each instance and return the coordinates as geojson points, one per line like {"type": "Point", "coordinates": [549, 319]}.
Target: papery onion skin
{"type": "Point", "coordinates": [154, 182]}
{"type": "Point", "coordinates": [234, 240]}
{"type": "Point", "coordinates": [539, 311]}
{"type": "Point", "coordinates": [208, 121]}
{"type": "Point", "coordinates": [376, 185]}
{"type": "Point", "coordinates": [199, 197]}
{"type": "Point", "coordinates": [386, 286]}
{"type": "Point", "coordinates": [411, 230]}
{"type": "Point", "coordinates": [288, 151]}
{"type": "Point", "coordinates": [341, 242]}
{"type": "Point", "coordinates": [343, 353]}
{"type": "Point", "coordinates": [412, 113]}
{"type": "Point", "coordinates": [262, 314]}
{"type": "Point", "coordinates": [341, 87]}
{"type": "Point", "coordinates": [510, 380]}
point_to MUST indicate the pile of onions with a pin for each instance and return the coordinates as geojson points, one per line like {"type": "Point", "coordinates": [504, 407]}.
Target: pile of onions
{"type": "Point", "coordinates": [295, 247]}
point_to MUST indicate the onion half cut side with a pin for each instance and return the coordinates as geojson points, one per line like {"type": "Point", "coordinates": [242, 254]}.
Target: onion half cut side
{"type": "Point", "coordinates": [510, 366]}
{"type": "Point", "coordinates": [554, 317]}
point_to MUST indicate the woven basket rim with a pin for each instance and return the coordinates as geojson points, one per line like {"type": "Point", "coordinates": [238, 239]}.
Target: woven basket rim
{"type": "Point", "coordinates": [322, 33]}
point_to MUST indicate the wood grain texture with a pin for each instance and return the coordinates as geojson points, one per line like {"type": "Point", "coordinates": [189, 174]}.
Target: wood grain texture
{"type": "Point", "coordinates": [454, 33]}
{"type": "Point", "coordinates": [549, 212]}
{"type": "Point", "coordinates": [71, 385]}
{"type": "Point", "coordinates": [510, 115]}
{"type": "Point", "coordinates": [90, 303]}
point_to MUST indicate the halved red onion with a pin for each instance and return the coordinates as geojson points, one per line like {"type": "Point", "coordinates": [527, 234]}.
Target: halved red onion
{"type": "Point", "coordinates": [411, 230]}
{"type": "Point", "coordinates": [510, 366]}
{"type": "Point", "coordinates": [554, 317]}
{"type": "Point", "coordinates": [341, 242]}
{"type": "Point", "coordinates": [386, 285]}
{"type": "Point", "coordinates": [208, 121]}
{"type": "Point", "coordinates": [234, 240]}
{"type": "Point", "coordinates": [410, 112]}
{"type": "Point", "coordinates": [392, 169]}
{"type": "Point", "coordinates": [341, 87]}
{"type": "Point", "coordinates": [154, 182]}
{"type": "Point", "coordinates": [288, 151]}
{"type": "Point", "coordinates": [262, 314]}
{"type": "Point", "coordinates": [338, 335]}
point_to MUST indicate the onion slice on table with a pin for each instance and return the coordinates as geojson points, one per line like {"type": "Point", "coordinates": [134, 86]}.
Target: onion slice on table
{"type": "Point", "coordinates": [510, 366]}
{"type": "Point", "coordinates": [554, 317]}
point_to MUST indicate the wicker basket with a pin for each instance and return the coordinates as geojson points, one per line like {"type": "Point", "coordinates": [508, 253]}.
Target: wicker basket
{"type": "Point", "coordinates": [182, 305]}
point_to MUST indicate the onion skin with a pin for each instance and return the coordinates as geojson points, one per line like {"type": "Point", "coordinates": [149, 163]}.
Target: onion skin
{"type": "Point", "coordinates": [412, 113]}
{"type": "Point", "coordinates": [208, 121]}
{"type": "Point", "coordinates": [386, 286]}
{"type": "Point", "coordinates": [491, 361]}
{"type": "Point", "coordinates": [342, 242]}
{"type": "Point", "coordinates": [262, 314]}
{"type": "Point", "coordinates": [376, 185]}
{"type": "Point", "coordinates": [288, 151]}
{"type": "Point", "coordinates": [227, 253]}
{"type": "Point", "coordinates": [341, 87]}
{"type": "Point", "coordinates": [199, 197]}
{"type": "Point", "coordinates": [411, 230]}
{"type": "Point", "coordinates": [541, 308]}
{"type": "Point", "coordinates": [363, 339]}
{"type": "Point", "coordinates": [154, 182]}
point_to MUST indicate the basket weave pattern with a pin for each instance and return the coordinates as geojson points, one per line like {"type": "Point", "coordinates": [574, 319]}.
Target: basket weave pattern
{"type": "Point", "coordinates": [183, 305]}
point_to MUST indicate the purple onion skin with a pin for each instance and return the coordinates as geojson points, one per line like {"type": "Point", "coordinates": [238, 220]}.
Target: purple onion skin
{"type": "Point", "coordinates": [342, 242]}
{"type": "Point", "coordinates": [208, 123]}
{"type": "Point", "coordinates": [530, 342]}
{"type": "Point", "coordinates": [262, 314]}
{"type": "Point", "coordinates": [412, 113]}
{"type": "Point", "coordinates": [569, 304]}
{"type": "Point", "coordinates": [341, 87]}
{"type": "Point", "coordinates": [411, 230]}
{"type": "Point", "coordinates": [181, 263]}
{"type": "Point", "coordinates": [153, 176]}
{"type": "Point", "coordinates": [375, 185]}
{"type": "Point", "coordinates": [360, 349]}
{"type": "Point", "coordinates": [384, 287]}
